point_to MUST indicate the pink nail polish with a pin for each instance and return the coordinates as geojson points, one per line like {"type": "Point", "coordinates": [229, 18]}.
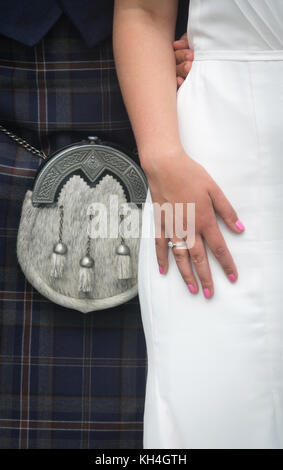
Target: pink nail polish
{"type": "Point", "coordinates": [206, 293]}
{"type": "Point", "coordinates": [191, 288]}
{"type": "Point", "coordinates": [232, 277]}
{"type": "Point", "coordinates": [239, 225]}
{"type": "Point", "coordinates": [160, 270]}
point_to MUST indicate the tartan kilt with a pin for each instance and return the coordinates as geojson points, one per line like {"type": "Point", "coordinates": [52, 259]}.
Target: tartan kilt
{"type": "Point", "coordinates": [68, 380]}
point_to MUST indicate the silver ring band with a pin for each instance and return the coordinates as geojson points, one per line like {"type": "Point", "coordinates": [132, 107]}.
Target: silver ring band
{"type": "Point", "coordinates": [171, 244]}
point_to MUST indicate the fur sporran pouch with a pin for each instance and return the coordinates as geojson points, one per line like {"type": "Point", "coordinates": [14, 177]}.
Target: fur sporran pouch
{"type": "Point", "coordinates": [80, 227]}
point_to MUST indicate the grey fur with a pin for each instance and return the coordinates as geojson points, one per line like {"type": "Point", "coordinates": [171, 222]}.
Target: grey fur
{"type": "Point", "coordinates": [38, 231]}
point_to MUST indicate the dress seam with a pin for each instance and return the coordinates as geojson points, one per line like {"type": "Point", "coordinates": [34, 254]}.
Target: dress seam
{"type": "Point", "coordinates": [263, 291]}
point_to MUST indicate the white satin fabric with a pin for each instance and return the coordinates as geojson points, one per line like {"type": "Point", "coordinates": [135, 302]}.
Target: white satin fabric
{"type": "Point", "coordinates": [215, 366]}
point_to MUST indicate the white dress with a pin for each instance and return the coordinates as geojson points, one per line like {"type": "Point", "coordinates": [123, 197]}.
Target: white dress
{"type": "Point", "coordinates": [215, 366]}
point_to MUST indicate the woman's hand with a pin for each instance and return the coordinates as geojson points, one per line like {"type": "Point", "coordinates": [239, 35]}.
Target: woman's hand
{"type": "Point", "coordinates": [178, 178]}
{"type": "Point", "coordinates": [184, 57]}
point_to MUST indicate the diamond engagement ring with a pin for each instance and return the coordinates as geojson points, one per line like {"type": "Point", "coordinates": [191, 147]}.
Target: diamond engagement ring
{"type": "Point", "coordinates": [180, 244]}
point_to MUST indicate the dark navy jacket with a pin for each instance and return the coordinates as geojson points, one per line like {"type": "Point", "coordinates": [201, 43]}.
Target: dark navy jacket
{"type": "Point", "coordinates": [27, 21]}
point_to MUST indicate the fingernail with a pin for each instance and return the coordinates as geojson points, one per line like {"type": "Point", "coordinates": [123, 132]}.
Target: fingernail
{"type": "Point", "coordinates": [187, 67]}
{"type": "Point", "coordinates": [232, 277]}
{"type": "Point", "coordinates": [239, 225]}
{"type": "Point", "coordinates": [191, 288]}
{"type": "Point", "coordinates": [188, 57]}
{"type": "Point", "coordinates": [160, 270]}
{"type": "Point", "coordinates": [206, 293]}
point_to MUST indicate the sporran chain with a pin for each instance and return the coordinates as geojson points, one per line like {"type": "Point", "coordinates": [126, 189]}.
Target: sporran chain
{"type": "Point", "coordinates": [23, 143]}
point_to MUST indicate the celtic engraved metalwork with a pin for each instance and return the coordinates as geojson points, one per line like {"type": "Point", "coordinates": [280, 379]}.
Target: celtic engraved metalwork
{"type": "Point", "coordinates": [92, 161]}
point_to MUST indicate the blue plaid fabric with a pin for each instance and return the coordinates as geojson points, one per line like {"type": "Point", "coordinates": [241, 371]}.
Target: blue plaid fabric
{"type": "Point", "coordinates": [67, 380]}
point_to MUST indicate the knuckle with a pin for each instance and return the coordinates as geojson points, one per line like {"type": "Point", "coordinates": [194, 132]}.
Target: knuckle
{"type": "Point", "coordinates": [185, 54]}
{"type": "Point", "coordinates": [186, 67]}
{"type": "Point", "coordinates": [220, 251]}
{"type": "Point", "coordinates": [210, 222]}
{"type": "Point", "coordinates": [205, 221]}
{"type": "Point", "coordinates": [158, 242]}
{"type": "Point", "coordinates": [197, 258]}
{"type": "Point", "coordinates": [179, 70]}
{"type": "Point", "coordinates": [179, 255]}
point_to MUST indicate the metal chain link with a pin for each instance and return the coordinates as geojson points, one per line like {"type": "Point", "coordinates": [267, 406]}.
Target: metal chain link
{"type": "Point", "coordinates": [24, 143]}
{"type": "Point", "coordinates": [61, 223]}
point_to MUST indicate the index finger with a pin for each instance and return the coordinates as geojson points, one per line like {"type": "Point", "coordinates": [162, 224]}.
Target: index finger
{"type": "Point", "coordinates": [181, 44]}
{"type": "Point", "coordinates": [184, 55]}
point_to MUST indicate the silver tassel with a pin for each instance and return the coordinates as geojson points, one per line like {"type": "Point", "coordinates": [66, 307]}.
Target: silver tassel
{"type": "Point", "coordinates": [124, 261]}
{"type": "Point", "coordinates": [86, 274]}
{"type": "Point", "coordinates": [58, 260]}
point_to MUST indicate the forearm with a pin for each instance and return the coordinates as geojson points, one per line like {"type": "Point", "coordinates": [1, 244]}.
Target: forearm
{"type": "Point", "coordinates": [146, 68]}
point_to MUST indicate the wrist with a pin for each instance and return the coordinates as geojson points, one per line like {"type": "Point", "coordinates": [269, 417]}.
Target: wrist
{"type": "Point", "coordinates": [152, 160]}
